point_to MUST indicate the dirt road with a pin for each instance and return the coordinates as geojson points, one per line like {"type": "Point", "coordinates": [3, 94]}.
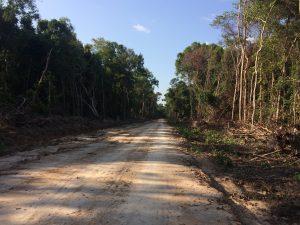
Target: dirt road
{"type": "Point", "coordinates": [134, 175]}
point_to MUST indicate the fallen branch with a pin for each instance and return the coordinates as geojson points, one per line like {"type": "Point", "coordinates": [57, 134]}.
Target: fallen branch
{"type": "Point", "coordinates": [264, 155]}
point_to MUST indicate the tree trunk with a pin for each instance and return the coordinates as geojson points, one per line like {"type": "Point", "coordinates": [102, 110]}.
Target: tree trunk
{"type": "Point", "coordinates": [278, 106]}
{"type": "Point", "coordinates": [43, 76]}
{"type": "Point", "coordinates": [236, 66]}
{"type": "Point", "coordinates": [254, 100]}
{"type": "Point", "coordinates": [92, 104]}
{"type": "Point", "coordinates": [241, 86]}
{"type": "Point", "coordinates": [234, 96]}
{"type": "Point", "coordinates": [103, 98]}
{"type": "Point", "coordinates": [191, 103]}
{"type": "Point", "coordinates": [260, 96]}
{"type": "Point", "coordinates": [257, 55]}
{"type": "Point", "coordinates": [46, 67]}
{"type": "Point", "coordinates": [250, 95]}
{"type": "Point", "coordinates": [245, 88]}
{"type": "Point", "coordinates": [143, 106]}
{"type": "Point", "coordinates": [294, 108]}
{"type": "Point", "coordinates": [272, 97]}
{"type": "Point", "coordinates": [237, 46]}
{"type": "Point", "coordinates": [5, 75]}
{"type": "Point", "coordinates": [242, 24]}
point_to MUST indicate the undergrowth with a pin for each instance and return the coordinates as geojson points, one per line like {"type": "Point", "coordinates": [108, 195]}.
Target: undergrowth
{"type": "Point", "coordinates": [214, 141]}
{"type": "Point", "coordinates": [207, 136]}
{"type": "Point", "coordinates": [222, 158]}
{"type": "Point", "coordinates": [196, 149]}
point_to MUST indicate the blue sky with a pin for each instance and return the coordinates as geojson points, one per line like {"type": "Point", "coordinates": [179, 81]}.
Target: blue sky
{"type": "Point", "coordinates": [159, 29]}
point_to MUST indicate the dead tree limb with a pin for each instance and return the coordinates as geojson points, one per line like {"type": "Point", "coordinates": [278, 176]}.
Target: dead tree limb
{"type": "Point", "coordinates": [46, 67]}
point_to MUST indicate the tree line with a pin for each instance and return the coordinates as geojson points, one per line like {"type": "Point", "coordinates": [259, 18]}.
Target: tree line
{"type": "Point", "coordinates": [252, 76]}
{"type": "Point", "coordinates": [45, 69]}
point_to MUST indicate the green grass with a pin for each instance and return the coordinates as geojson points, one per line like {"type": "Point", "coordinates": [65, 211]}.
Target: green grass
{"type": "Point", "coordinates": [222, 159]}
{"type": "Point", "coordinates": [212, 137]}
{"type": "Point", "coordinates": [217, 137]}
{"type": "Point", "coordinates": [196, 149]}
{"type": "Point", "coordinates": [190, 133]}
{"type": "Point", "coordinates": [216, 142]}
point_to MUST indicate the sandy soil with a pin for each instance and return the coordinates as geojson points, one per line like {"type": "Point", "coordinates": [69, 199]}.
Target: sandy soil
{"type": "Point", "coordinates": [133, 175]}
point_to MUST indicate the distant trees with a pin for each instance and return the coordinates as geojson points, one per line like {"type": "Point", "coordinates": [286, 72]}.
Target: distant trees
{"type": "Point", "coordinates": [178, 100]}
{"type": "Point", "coordinates": [199, 81]}
{"type": "Point", "coordinates": [45, 69]}
{"type": "Point", "coordinates": [126, 80]}
{"type": "Point", "coordinates": [255, 74]}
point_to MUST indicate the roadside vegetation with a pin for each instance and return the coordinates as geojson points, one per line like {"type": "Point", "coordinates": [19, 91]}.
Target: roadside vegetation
{"type": "Point", "coordinates": [253, 77]}
{"type": "Point", "coordinates": [237, 103]}
{"type": "Point", "coordinates": [46, 70]}
{"type": "Point", "coordinates": [249, 165]}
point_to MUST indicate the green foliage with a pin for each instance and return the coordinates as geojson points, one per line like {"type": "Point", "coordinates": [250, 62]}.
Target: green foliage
{"type": "Point", "coordinates": [264, 39]}
{"type": "Point", "coordinates": [212, 137]}
{"type": "Point", "coordinates": [196, 149]}
{"type": "Point", "coordinates": [216, 143]}
{"type": "Point", "coordinates": [199, 68]}
{"type": "Point", "coordinates": [178, 100]}
{"type": "Point", "coordinates": [222, 159]}
{"type": "Point", "coordinates": [207, 98]}
{"type": "Point", "coordinates": [49, 67]}
{"type": "Point", "coordinates": [190, 133]}
{"type": "Point", "coordinates": [215, 137]}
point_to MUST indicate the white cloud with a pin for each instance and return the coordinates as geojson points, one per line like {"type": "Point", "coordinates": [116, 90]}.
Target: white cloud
{"type": "Point", "coordinates": [141, 28]}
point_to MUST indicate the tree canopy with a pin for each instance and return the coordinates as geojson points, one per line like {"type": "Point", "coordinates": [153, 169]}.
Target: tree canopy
{"type": "Point", "coordinates": [253, 76]}
{"type": "Point", "coordinates": [45, 69]}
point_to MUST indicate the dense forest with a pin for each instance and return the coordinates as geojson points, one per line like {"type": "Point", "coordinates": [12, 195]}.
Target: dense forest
{"type": "Point", "coordinates": [46, 70]}
{"type": "Point", "coordinates": [251, 77]}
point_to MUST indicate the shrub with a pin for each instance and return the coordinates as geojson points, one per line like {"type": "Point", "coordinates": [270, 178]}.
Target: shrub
{"type": "Point", "coordinates": [223, 159]}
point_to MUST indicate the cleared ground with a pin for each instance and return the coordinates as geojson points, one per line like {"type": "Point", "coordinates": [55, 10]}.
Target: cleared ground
{"type": "Point", "coordinates": [133, 175]}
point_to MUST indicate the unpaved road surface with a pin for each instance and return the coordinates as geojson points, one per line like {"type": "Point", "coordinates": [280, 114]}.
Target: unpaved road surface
{"type": "Point", "coordinates": [133, 175]}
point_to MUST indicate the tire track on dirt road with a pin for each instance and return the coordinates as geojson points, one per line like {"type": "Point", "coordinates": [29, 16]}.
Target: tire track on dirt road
{"type": "Point", "coordinates": [133, 176]}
